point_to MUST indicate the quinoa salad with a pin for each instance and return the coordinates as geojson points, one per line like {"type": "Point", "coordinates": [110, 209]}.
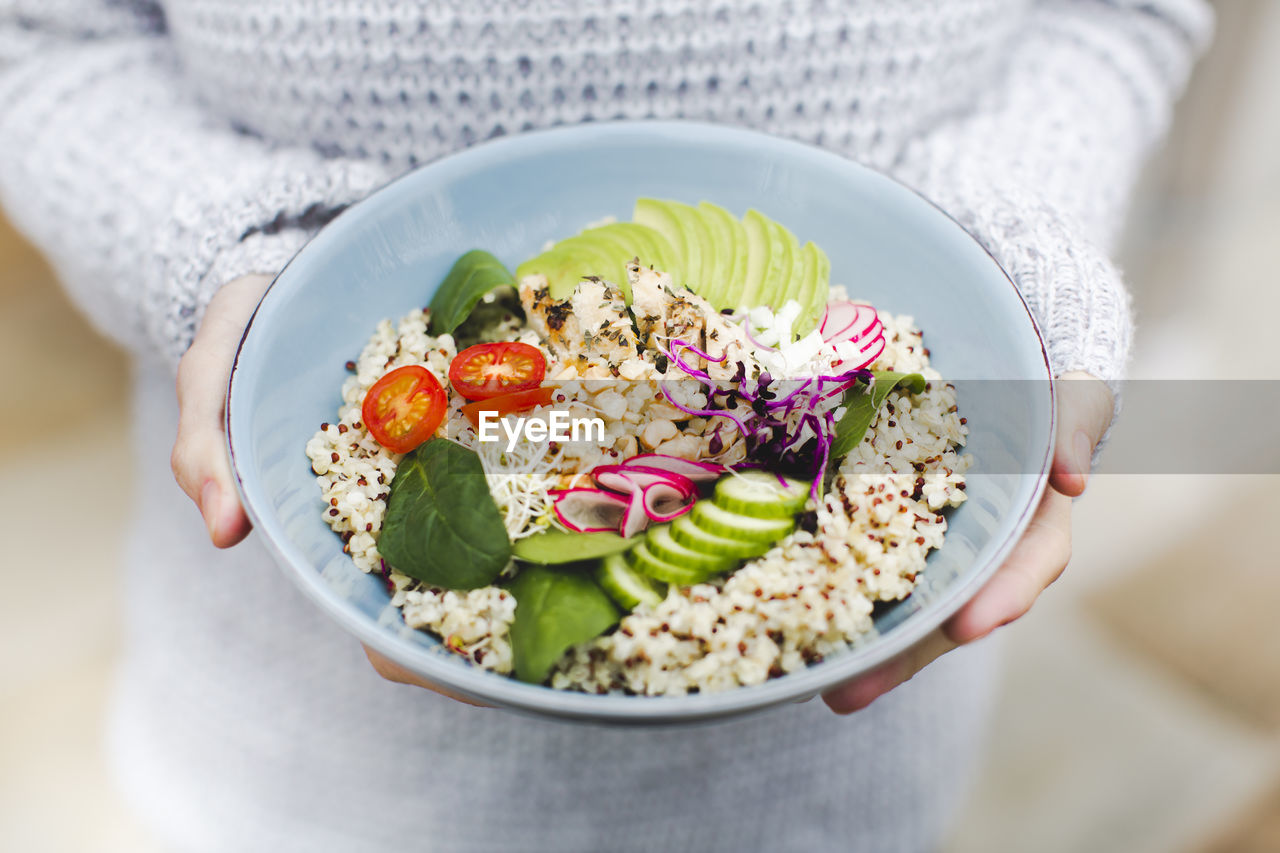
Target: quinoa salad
{"type": "Point", "coordinates": [664, 456]}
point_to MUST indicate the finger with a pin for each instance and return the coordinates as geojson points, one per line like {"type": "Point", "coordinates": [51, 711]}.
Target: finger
{"type": "Point", "coordinates": [1037, 561]}
{"type": "Point", "coordinates": [392, 671]}
{"type": "Point", "coordinates": [199, 457]}
{"type": "Point", "coordinates": [865, 689]}
{"type": "Point", "coordinates": [1085, 407]}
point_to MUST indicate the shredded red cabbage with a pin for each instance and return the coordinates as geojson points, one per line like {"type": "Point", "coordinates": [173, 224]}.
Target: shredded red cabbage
{"type": "Point", "coordinates": [697, 373]}
{"type": "Point", "coordinates": [698, 352]}
{"type": "Point", "coordinates": [766, 422]}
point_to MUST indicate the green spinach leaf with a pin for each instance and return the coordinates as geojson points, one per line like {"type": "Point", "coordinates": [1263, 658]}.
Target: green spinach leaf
{"type": "Point", "coordinates": [472, 276]}
{"type": "Point", "coordinates": [555, 609]}
{"type": "Point", "coordinates": [862, 403]}
{"type": "Point", "coordinates": [554, 547]}
{"type": "Point", "coordinates": [442, 526]}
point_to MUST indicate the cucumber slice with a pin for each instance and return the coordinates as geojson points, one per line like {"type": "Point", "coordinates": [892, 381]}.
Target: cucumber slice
{"type": "Point", "coordinates": [627, 586]}
{"type": "Point", "coordinates": [687, 532]}
{"type": "Point", "coordinates": [664, 547]}
{"type": "Point", "coordinates": [759, 494]}
{"type": "Point", "coordinates": [719, 521]}
{"type": "Point", "coordinates": [646, 562]}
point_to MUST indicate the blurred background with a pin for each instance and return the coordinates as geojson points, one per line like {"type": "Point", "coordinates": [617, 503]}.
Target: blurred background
{"type": "Point", "coordinates": [1141, 706]}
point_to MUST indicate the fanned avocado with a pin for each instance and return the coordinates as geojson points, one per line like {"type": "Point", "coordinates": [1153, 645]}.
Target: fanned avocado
{"type": "Point", "coordinates": [567, 262]}
{"type": "Point", "coordinates": [731, 263]}
{"type": "Point", "coordinates": [752, 289]}
{"type": "Point", "coordinates": [604, 251]}
{"type": "Point", "coordinates": [638, 241]}
{"type": "Point", "coordinates": [730, 242]}
{"type": "Point", "coordinates": [660, 217]}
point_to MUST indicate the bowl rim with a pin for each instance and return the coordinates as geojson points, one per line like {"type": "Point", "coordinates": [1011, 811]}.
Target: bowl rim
{"type": "Point", "coordinates": [476, 684]}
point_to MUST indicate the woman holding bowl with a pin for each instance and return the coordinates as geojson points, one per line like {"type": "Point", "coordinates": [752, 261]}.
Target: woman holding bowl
{"type": "Point", "coordinates": [171, 155]}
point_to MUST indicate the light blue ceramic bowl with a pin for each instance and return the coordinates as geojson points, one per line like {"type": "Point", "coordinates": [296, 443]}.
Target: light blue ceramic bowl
{"type": "Point", "coordinates": [386, 255]}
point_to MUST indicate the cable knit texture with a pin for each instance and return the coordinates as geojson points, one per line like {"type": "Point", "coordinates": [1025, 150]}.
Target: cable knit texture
{"type": "Point", "coordinates": [156, 150]}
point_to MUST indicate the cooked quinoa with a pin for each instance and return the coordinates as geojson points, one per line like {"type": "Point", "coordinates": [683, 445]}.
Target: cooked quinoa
{"type": "Point", "coordinates": [810, 596]}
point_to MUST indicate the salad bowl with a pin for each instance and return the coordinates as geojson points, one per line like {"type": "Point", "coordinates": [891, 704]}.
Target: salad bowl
{"type": "Point", "coordinates": [387, 253]}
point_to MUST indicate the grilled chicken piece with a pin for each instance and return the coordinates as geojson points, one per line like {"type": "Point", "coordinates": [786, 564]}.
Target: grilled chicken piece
{"type": "Point", "coordinates": [552, 319]}
{"type": "Point", "coordinates": [601, 311]}
{"type": "Point", "coordinates": [588, 335]}
{"type": "Point", "coordinates": [664, 311]}
{"type": "Point", "coordinates": [649, 291]}
{"type": "Point", "coordinates": [685, 317]}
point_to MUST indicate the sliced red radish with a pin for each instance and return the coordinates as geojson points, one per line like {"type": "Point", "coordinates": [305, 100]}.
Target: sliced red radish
{"type": "Point", "coordinates": [868, 325]}
{"type": "Point", "coordinates": [698, 472]}
{"type": "Point", "coordinates": [838, 316]}
{"type": "Point", "coordinates": [663, 502]}
{"type": "Point", "coordinates": [870, 354]}
{"type": "Point", "coordinates": [850, 321]}
{"type": "Point", "coordinates": [588, 510]}
{"type": "Point", "coordinates": [878, 351]}
{"type": "Point", "coordinates": [635, 519]}
{"type": "Point", "coordinates": [651, 494]}
{"type": "Point", "coordinates": [863, 330]}
{"type": "Point", "coordinates": [634, 478]}
{"type": "Point", "coordinates": [875, 331]}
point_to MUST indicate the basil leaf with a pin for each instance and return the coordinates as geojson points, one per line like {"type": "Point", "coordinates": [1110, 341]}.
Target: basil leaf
{"type": "Point", "coordinates": [472, 276]}
{"type": "Point", "coordinates": [555, 610]}
{"type": "Point", "coordinates": [442, 526]}
{"type": "Point", "coordinates": [554, 547]}
{"type": "Point", "coordinates": [862, 403]}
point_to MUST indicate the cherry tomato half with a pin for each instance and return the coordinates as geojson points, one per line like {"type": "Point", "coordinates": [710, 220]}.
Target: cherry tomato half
{"type": "Point", "coordinates": [505, 404]}
{"type": "Point", "coordinates": [404, 408]}
{"type": "Point", "coordinates": [487, 370]}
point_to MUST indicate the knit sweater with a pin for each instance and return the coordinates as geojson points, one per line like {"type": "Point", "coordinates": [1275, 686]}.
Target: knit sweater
{"type": "Point", "coordinates": [155, 150]}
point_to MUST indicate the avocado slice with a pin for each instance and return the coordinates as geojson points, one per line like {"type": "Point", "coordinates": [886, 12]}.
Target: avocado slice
{"type": "Point", "coordinates": [644, 243]}
{"type": "Point", "coordinates": [665, 259]}
{"type": "Point", "coordinates": [814, 301]}
{"type": "Point", "coordinates": [699, 251]}
{"type": "Point", "coordinates": [782, 250]}
{"type": "Point", "coordinates": [806, 284]}
{"type": "Point", "coordinates": [658, 215]}
{"type": "Point", "coordinates": [759, 248]}
{"type": "Point", "coordinates": [791, 273]}
{"type": "Point", "coordinates": [625, 241]}
{"type": "Point", "coordinates": [730, 254]}
{"type": "Point", "coordinates": [569, 261]}
{"type": "Point", "coordinates": [733, 263]}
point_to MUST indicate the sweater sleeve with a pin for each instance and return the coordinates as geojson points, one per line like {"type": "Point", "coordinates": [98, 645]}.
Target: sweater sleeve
{"type": "Point", "coordinates": [1041, 170]}
{"type": "Point", "coordinates": [144, 202]}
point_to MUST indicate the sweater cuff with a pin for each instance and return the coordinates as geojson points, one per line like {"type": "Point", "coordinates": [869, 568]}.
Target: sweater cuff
{"type": "Point", "coordinates": [1075, 293]}
{"type": "Point", "coordinates": [252, 223]}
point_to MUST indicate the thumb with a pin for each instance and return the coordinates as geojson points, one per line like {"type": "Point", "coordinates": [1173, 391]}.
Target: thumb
{"type": "Point", "coordinates": [1085, 408]}
{"type": "Point", "coordinates": [199, 457]}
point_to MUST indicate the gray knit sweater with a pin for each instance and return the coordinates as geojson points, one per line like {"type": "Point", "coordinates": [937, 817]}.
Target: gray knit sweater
{"type": "Point", "coordinates": [155, 150]}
